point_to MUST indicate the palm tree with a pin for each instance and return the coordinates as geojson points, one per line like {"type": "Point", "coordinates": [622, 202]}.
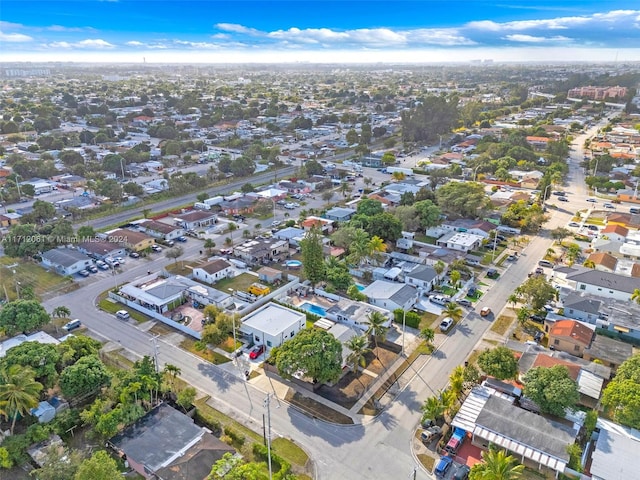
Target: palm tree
{"type": "Point", "coordinates": [551, 253]}
{"type": "Point", "coordinates": [359, 248]}
{"type": "Point", "coordinates": [589, 263]}
{"type": "Point", "coordinates": [173, 371]}
{"type": "Point", "coordinates": [376, 247]}
{"type": "Point", "coordinates": [209, 244]}
{"type": "Point", "coordinates": [19, 393]}
{"type": "Point", "coordinates": [513, 299]}
{"type": "Point", "coordinates": [453, 310]}
{"type": "Point", "coordinates": [377, 328]}
{"type": "Point", "coordinates": [246, 234]}
{"type": "Point", "coordinates": [635, 296]}
{"type": "Point", "coordinates": [454, 276]}
{"type": "Point", "coordinates": [61, 312]}
{"type": "Point", "coordinates": [359, 347]}
{"type": "Point", "coordinates": [367, 181]}
{"type": "Point", "coordinates": [433, 408]}
{"type": "Point", "coordinates": [497, 465]}
{"type": "Point", "coordinates": [573, 252]}
{"type": "Point", "coordinates": [439, 267]}
{"type": "Point", "coordinates": [427, 334]}
{"type": "Point", "coordinates": [231, 228]}
{"type": "Point", "coordinates": [456, 380]}
{"type": "Point", "coordinates": [344, 188]}
{"type": "Point", "coordinates": [398, 176]}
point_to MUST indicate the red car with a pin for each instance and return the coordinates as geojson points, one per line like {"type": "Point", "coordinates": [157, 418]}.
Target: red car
{"type": "Point", "coordinates": [256, 351]}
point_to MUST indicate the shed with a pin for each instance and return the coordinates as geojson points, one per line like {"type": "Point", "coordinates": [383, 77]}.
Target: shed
{"type": "Point", "coordinates": [44, 412]}
{"type": "Point", "coordinates": [269, 275]}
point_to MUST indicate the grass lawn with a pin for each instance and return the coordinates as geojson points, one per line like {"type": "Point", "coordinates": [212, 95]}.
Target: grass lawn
{"type": "Point", "coordinates": [425, 239]}
{"type": "Point", "coordinates": [112, 307]}
{"type": "Point", "coordinates": [427, 461]}
{"type": "Point", "coordinates": [290, 451]}
{"type": "Point", "coordinates": [427, 320]}
{"type": "Point", "coordinates": [473, 357]}
{"type": "Point", "coordinates": [181, 268]}
{"type": "Point", "coordinates": [228, 345]}
{"type": "Point", "coordinates": [241, 282]}
{"type": "Point", "coordinates": [32, 275]}
{"type": "Point", "coordinates": [502, 324]}
{"type": "Point", "coordinates": [189, 345]}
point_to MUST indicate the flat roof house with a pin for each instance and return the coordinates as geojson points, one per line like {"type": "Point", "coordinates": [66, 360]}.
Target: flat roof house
{"type": "Point", "coordinates": [463, 242]}
{"type": "Point", "coordinates": [262, 251]}
{"type": "Point", "coordinates": [615, 454]}
{"type": "Point", "coordinates": [605, 284]}
{"type": "Point", "coordinates": [166, 444]}
{"type": "Point", "coordinates": [271, 325]}
{"type": "Point", "coordinates": [65, 261]}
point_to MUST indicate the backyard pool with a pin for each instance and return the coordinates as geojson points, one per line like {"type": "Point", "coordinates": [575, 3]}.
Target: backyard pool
{"type": "Point", "coordinates": [293, 263]}
{"type": "Point", "coordinates": [360, 287]}
{"type": "Point", "coordinates": [313, 308]}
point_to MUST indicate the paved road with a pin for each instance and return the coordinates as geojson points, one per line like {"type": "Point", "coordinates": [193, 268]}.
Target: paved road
{"type": "Point", "coordinates": [377, 450]}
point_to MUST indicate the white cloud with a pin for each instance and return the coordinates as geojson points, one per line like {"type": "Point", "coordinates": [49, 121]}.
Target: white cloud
{"type": "Point", "coordinates": [61, 28]}
{"type": "Point", "coordinates": [135, 43]}
{"type": "Point", "coordinates": [531, 39]}
{"type": "Point", "coordinates": [14, 37]}
{"type": "Point", "coordinates": [236, 28]}
{"type": "Point", "coordinates": [89, 43]}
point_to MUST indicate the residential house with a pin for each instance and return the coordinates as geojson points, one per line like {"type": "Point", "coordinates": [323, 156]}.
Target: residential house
{"type": "Point", "coordinates": [627, 220]}
{"type": "Point", "coordinates": [325, 226]}
{"type": "Point", "coordinates": [615, 232]}
{"type": "Point", "coordinates": [99, 248]}
{"type": "Point", "coordinates": [570, 336]}
{"type": "Point", "coordinates": [65, 261]}
{"type": "Point", "coordinates": [213, 271]}
{"type": "Point", "coordinates": [131, 239]}
{"type": "Point", "coordinates": [202, 295]}
{"type": "Point", "coordinates": [481, 228]}
{"type": "Point", "coordinates": [9, 219]}
{"type": "Point", "coordinates": [262, 251]}
{"type": "Point", "coordinates": [492, 418]}
{"type": "Point", "coordinates": [423, 277]}
{"type": "Point", "coordinates": [156, 293]}
{"type": "Point", "coordinates": [240, 205]}
{"type": "Point", "coordinates": [160, 230]}
{"type": "Point", "coordinates": [195, 219]}
{"type": "Point", "coordinates": [463, 242]}
{"type": "Point", "coordinates": [608, 351]}
{"type": "Point", "coordinates": [340, 214]}
{"type": "Point", "coordinates": [604, 262]}
{"type": "Point", "coordinates": [391, 296]}
{"type": "Point", "coordinates": [271, 325]}
{"type": "Point", "coordinates": [292, 235]}
{"type": "Point", "coordinates": [538, 143]}
{"type": "Point", "coordinates": [342, 333]}
{"type": "Point", "coordinates": [39, 337]}
{"type": "Point", "coordinates": [615, 452]}
{"type": "Point", "coordinates": [604, 284]}
{"type": "Point", "coordinates": [585, 308]}
{"type": "Point", "coordinates": [269, 275]}
{"type": "Point", "coordinates": [166, 444]}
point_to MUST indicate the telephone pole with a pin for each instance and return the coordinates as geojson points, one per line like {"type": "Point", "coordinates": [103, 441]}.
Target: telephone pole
{"type": "Point", "coordinates": [267, 405]}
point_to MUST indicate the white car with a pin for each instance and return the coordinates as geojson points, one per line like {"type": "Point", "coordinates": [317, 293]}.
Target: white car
{"type": "Point", "coordinates": [446, 324]}
{"type": "Point", "coordinates": [156, 248]}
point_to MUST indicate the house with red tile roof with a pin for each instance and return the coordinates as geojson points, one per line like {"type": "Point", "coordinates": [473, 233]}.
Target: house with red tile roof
{"type": "Point", "coordinates": [615, 232]}
{"type": "Point", "coordinates": [603, 261]}
{"type": "Point", "coordinates": [538, 143]}
{"type": "Point", "coordinates": [570, 336]}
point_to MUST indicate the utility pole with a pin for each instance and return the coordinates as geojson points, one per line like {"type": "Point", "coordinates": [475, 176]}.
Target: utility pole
{"type": "Point", "coordinates": [404, 323]}
{"type": "Point", "coordinates": [154, 339]}
{"type": "Point", "coordinates": [267, 405]}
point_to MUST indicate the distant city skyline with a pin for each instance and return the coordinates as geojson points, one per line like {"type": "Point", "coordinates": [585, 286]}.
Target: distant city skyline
{"type": "Point", "coordinates": [318, 31]}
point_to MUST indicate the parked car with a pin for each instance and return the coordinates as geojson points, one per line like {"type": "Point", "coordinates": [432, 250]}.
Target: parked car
{"type": "Point", "coordinates": [538, 336]}
{"type": "Point", "coordinates": [427, 422]}
{"type": "Point", "coordinates": [134, 255]}
{"type": "Point", "coordinates": [485, 312]}
{"type": "Point", "coordinates": [492, 273]}
{"type": "Point", "coordinates": [446, 324]}
{"type": "Point", "coordinates": [511, 258]}
{"type": "Point", "coordinates": [563, 199]}
{"type": "Point", "coordinates": [574, 224]}
{"type": "Point", "coordinates": [93, 269]}
{"type": "Point", "coordinates": [182, 238]}
{"type": "Point", "coordinates": [256, 351]}
{"type": "Point", "coordinates": [462, 473]}
{"type": "Point", "coordinates": [275, 223]}
{"type": "Point", "coordinates": [443, 466]}
{"type": "Point", "coordinates": [592, 200]}
{"type": "Point", "coordinates": [464, 302]}
{"type": "Point", "coordinates": [84, 273]}
{"type": "Point", "coordinates": [610, 206]}
{"type": "Point", "coordinates": [156, 248]}
{"type": "Point", "coordinates": [593, 228]}
{"type": "Point", "coordinates": [101, 265]}
{"type": "Point", "coordinates": [72, 325]}
{"type": "Point", "coordinates": [122, 314]}
{"type": "Point", "coordinates": [430, 433]}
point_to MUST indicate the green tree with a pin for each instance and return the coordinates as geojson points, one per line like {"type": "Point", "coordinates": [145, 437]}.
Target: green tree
{"type": "Point", "coordinates": [369, 207]}
{"type": "Point", "coordinates": [355, 294]}
{"type": "Point", "coordinates": [85, 376]}
{"type": "Point", "coordinates": [378, 328]}
{"type": "Point", "coordinates": [428, 335]}
{"type": "Point", "coordinates": [466, 199]}
{"type": "Point", "coordinates": [61, 312]}
{"type": "Point", "coordinates": [433, 408]}
{"type": "Point", "coordinates": [100, 466]}
{"type": "Point", "coordinates": [86, 232]}
{"type": "Point", "coordinates": [77, 346]}
{"type": "Point", "coordinates": [453, 310]}
{"type": "Point", "coordinates": [186, 397]}
{"type": "Point", "coordinates": [174, 253]}
{"type": "Point", "coordinates": [552, 389]}
{"type": "Point", "coordinates": [498, 362]}
{"type": "Point", "coordinates": [314, 352]}
{"type": "Point", "coordinates": [454, 276]}
{"type": "Point", "coordinates": [313, 264]}
{"type": "Point", "coordinates": [209, 244]}
{"type": "Point", "coordinates": [42, 358]}
{"type": "Point", "coordinates": [496, 465]}
{"type": "Point", "coordinates": [537, 291]}
{"type": "Point", "coordinates": [22, 316]}
{"type": "Point", "coordinates": [19, 392]}
{"type": "Point", "coordinates": [622, 395]}
{"type": "Point", "coordinates": [327, 195]}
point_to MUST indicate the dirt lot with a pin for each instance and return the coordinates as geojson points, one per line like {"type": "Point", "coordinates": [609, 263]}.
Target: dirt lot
{"type": "Point", "coordinates": [348, 390]}
{"type": "Point", "coordinates": [379, 359]}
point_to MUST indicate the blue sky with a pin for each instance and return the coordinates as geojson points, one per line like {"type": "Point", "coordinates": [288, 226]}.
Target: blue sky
{"type": "Point", "coordinates": [319, 31]}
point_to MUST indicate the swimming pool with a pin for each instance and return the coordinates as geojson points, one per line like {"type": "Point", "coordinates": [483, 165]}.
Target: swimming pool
{"type": "Point", "coordinates": [293, 263]}
{"type": "Point", "coordinates": [360, 287]}
{"type": "Point", "coordinates": [313, 308]}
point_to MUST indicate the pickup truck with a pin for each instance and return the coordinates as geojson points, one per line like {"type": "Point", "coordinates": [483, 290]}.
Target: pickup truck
{"type": "Point", "coordinates": [455, 441]}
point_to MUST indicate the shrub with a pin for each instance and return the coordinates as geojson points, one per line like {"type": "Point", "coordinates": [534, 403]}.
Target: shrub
{"type": "Point", "coordinates": [280, 464]}
{"type": "Point", "coordinates": [236, 438]}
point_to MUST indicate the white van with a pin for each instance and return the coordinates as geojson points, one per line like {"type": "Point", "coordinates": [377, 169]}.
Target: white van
{"type": "Point", "coordinates": [439, 300]}
{"type": "Point", "coordinates": [72, 325]}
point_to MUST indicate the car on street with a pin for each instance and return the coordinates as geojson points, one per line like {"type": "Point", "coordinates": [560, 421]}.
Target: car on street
{"type": "Point", "coordinates": [592, 200]}
{"type": "Point", "coordinates": [122, 314]}
{"type": "Point", "coordinates": [275, 223]}
{"type": "Point", "coordinates": [511, 258]}
{"type": "Point", "coordinates": [464, 302]}
{"type": "Point", "coordinates": [84, 273]}
{"type": "Point", "coordinates": [563, 199]}
{"type": "Point", "coordinates": [492, 273]}
{"type": "Point", "coordinates": [610, 206]}
{"type": "Point", "coordinates": [485, 312]}
{"type": "Point", "coordinates": [593, 228]}
{"type": "Point", "coordinates": [92, 269]}
{"type": "Point", "coordinates": [256, 351]}
{"type": "Point", "coordinates": [574, 224]}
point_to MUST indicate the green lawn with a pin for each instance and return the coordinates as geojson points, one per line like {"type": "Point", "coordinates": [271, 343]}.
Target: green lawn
{"type": "Point", "coordinates": [181, 268]}
{"type": "Point", "coordinates": [112, 307]}
{"type": "Point", "coordinates": [239, 283]}
{"type": "Point", "coordinates": [502, 324]}
{"type": "Point", "coordinates": [205, 353]}
{"type": "Point", "coordinates": [33, 275]}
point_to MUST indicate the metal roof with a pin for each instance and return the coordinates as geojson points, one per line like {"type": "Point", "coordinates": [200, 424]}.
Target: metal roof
{"type": "Point", "coordinates": [616, 452]}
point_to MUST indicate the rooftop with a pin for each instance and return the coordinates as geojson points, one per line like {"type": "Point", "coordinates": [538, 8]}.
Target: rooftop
{"type": "Point", "coordinates": [65, 257]}
{"type": "Point", "coordinates": [129, 237]}
{"type": "Point", "coordinates": [609, 350]}
{"type": "Point", "coordinates": [616, 452]}
{"type": "Point", "coordinates": [608, 280]}
{"type": "Point", "coordinates": [399, 293]}
{"type": "Point", "coordinates": [215, 266]}
{"type": "Point", "coordinates": [273, 319]}
{"type": "Point", "coordinates": [578, 332]}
